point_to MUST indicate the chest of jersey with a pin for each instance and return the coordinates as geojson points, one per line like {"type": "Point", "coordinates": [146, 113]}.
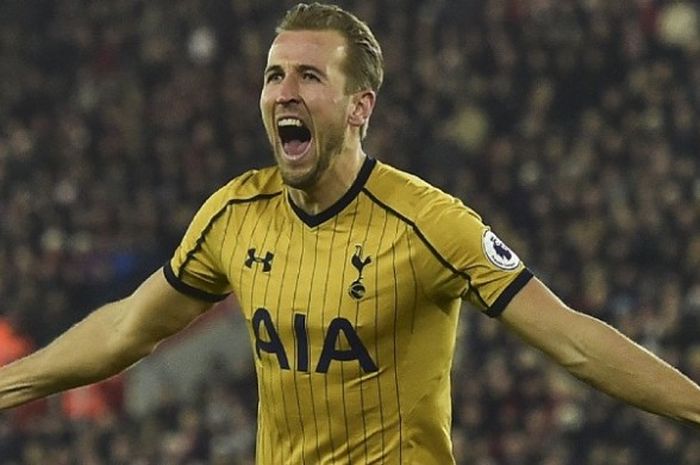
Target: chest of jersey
{"type": "Point", "coordinates": [317, 299]}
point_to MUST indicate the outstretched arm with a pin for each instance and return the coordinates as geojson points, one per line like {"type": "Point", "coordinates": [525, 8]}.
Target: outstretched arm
{"type": "Point", "coordinates": [106, 342]}
{"type": "Point", "coordinates": [600, 355]}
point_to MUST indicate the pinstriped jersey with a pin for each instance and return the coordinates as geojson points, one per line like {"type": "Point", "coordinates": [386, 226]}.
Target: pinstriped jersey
{"type": "Point", "coordinates": [352, 313]}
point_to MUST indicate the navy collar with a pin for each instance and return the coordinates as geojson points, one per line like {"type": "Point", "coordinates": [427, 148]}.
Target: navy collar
{"type": "Point", "coordinates": [344, 201]}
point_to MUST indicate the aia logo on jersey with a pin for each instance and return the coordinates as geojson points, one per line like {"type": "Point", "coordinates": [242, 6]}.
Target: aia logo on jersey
{"type": "Point", "coordinates": [357, 289]}
{"type": "Point", "coordinates": [339, 333]}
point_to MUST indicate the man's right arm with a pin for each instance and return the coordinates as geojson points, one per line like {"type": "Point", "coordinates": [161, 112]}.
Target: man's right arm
{"type": "Point", "coordinates": [107, 341]}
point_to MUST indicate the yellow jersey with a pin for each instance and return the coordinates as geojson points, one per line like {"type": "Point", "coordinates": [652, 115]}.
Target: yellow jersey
{"type": "Point", "coordinates": [352, 313]}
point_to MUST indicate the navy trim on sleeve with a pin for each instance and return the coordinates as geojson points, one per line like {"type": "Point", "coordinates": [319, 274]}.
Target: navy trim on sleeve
{"type": "Point", "coordinates": [508, 293]}
{"type": "Point", "coordinates": [187, 289]}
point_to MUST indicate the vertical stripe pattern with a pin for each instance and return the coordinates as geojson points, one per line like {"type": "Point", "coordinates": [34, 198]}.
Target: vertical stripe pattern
{"type": "Point", "coordinates": [351, 313]}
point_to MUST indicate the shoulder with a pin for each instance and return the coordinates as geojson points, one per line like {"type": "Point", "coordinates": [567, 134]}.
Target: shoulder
{"type": "Point", "coordinates": [251, 186]}
{"type": "Point", "coordinates": [412, 198]}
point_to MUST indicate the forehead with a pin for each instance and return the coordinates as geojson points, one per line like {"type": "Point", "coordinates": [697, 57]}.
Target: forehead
{"type": "Point", "coordinates": [322, 49]}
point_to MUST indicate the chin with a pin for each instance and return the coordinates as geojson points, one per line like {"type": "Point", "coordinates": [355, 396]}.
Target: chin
{"type": "Point", "coordinates": [298, 177]}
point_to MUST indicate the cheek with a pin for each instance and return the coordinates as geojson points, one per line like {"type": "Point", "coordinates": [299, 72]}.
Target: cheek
{"type": "Point", "coordinates": [267, 97]}
{"type": "Point", "coordinates": [333, 110]}
{"type": "Point", "coordinates": [265, 109]}
{"type": "Point", "coordinates": [263, 102]}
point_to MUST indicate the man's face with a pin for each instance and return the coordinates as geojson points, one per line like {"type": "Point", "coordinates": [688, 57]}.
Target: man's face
{"type": "Point", "coordinates": [304, 104]}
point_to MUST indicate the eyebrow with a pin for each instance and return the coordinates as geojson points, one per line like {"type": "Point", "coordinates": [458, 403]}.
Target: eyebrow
{"type": "Point", "coordinates": [298, 68]}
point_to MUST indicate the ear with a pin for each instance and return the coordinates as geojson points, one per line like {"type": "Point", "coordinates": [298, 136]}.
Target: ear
{"type": "Point", "coordinates": [362, 105]}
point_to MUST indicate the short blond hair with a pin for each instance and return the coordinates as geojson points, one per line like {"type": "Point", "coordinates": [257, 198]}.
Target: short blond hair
{"type": "Point", "coordinates": [364, 66]}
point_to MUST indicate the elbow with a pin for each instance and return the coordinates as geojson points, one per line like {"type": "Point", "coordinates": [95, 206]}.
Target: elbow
{"type": "Point", "coordinates": [576, 360]}
{"type": "Point", "coordinates": [128, 342]}
{"type": "Point", "coordinates": [126, 349]}
{"type": "Point", "coordinates": [578, 366]}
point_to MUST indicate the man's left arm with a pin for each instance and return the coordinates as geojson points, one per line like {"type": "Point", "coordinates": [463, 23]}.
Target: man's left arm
{"type": "Point", "coordinates": [598, 354]}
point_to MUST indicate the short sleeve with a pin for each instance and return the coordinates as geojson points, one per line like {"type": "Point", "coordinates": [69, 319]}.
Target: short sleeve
{"type": "Point", "coordinates": [195, 267]}
{"type": "Point", "coordinates": [476, 264]}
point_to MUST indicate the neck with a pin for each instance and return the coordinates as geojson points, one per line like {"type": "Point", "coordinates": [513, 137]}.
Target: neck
{"type": "Point", "coordinates": [332, 185]}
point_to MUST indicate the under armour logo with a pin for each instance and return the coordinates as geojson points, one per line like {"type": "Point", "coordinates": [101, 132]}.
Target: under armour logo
{"type": "Point", "coordinates": [357, 289]}
{"type": "Point", "coordinates": [266, 262]}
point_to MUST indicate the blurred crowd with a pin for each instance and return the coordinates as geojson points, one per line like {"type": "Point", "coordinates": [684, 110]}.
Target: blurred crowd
{"type": "Point", "coordinates": [572, 126]}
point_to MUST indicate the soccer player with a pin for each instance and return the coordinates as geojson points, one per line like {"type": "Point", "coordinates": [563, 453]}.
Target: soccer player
{"type": "Point", "coordinates": [351, 275]}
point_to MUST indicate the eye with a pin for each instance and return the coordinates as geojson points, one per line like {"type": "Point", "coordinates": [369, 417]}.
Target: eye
{"type": "Point", "coordinates": [273, 76]}
{"type": "Point", "coordinates": [309, 76]}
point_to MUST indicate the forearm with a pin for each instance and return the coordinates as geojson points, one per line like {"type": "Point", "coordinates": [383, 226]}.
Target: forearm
{"type": "Point", "coordinates": [613, 363]}
{"type": "Point", "coordinates": [600, 355]}
{"type": "Point", "coordinates": [109, 340]}
{"type": "Point", "coordinates": [90, 351]}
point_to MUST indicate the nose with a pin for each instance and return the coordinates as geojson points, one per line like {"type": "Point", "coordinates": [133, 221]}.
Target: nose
{"type": "Point", "coordinates": [288, 90]}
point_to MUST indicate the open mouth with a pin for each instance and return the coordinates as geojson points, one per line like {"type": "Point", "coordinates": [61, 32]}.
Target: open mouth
{"type": "Point", "coordinates": [295, 136]}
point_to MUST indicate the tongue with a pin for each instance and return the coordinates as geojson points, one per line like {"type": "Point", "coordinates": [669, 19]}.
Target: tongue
{"type": "Point", "coordinates": [295, 148]}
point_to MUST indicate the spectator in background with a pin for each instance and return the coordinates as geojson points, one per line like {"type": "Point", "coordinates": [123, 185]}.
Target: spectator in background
{"type": "Point", "coordinates": [572, 111]}
{"type": "Point", "coordinates": [12, 344]}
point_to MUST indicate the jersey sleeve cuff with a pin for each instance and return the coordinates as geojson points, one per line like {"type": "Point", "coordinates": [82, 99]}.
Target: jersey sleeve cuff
{"type": "Point", "coordinates": [188, 290]}
{"type": "Point", "coordinates": [508, 293]}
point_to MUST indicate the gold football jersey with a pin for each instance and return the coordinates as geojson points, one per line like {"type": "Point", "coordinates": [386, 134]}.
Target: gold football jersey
{"type": "Point", "coordinates": [352, 313]}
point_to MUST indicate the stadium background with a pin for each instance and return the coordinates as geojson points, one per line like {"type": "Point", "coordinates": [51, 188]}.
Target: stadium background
{"type": "Point", "coordinates": [571, 126]}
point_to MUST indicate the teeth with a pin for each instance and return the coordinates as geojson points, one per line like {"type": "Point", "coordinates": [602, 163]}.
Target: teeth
{"type": "Point", "coordinates": [284, 122]}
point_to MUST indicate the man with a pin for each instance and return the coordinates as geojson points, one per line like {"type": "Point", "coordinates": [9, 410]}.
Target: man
{"type": "Point", "coordinates": [350, 275]}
